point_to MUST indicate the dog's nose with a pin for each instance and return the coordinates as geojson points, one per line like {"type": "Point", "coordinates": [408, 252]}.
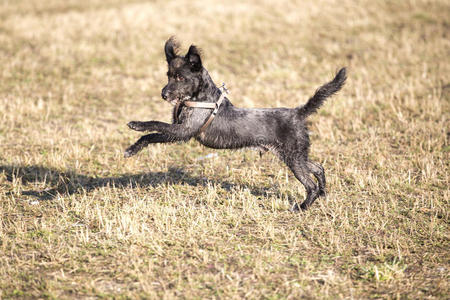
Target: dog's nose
{"type": "Point", "coordinates": [164, 95]}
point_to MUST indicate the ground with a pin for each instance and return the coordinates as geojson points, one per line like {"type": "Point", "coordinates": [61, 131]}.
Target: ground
{"type": "Point", "coordinates": [79, 221]}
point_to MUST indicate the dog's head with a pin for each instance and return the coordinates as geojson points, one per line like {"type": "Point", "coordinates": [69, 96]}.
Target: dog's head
{"type": "Point", "coordinates": [184, 74]}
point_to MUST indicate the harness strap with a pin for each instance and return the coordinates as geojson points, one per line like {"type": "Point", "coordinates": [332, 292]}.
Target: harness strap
{"type": "Point", "coordinates": [207, 105]}
{"type": "Point", "coordinates": [175, 111]}
{"type": "Point", "coordinates": [199, 104]}
{"type": "Point", "coordinates": [213, 114]}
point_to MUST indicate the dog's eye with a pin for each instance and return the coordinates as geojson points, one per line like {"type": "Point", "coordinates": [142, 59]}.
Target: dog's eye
{"type": "Point", "coordinates": [179, 78]}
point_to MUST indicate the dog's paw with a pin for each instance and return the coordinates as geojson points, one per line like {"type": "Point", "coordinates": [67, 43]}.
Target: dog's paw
{"type": "Point", "coordinates": [136, 125]}
{"type": "Point", "coordinates": [304, 206]}
{"type": "Point", "coordinates": [130, 151]}
{"type": "Point", "coordinates": [322, 193]}
{"type": "Point", "coordinates": [294, 208]}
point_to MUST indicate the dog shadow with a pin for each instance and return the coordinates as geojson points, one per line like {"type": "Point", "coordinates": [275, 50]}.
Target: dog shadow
{"type": "Point", "coordinates": [67, 183]}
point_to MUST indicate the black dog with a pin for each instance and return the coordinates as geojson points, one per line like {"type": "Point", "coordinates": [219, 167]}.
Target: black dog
{"type": "Point", "coordinates": [281, 130]}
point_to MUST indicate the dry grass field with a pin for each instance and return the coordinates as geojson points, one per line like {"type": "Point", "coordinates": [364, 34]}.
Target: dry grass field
{"type": "Point", "coordinates": [79, 221]}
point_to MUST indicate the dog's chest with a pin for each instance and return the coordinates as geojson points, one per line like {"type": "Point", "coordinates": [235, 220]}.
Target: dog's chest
{"type": "Point", "coordinates": [179, 114]}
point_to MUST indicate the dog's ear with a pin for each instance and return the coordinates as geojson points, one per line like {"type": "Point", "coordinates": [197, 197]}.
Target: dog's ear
{"type": "Point", "coordinates": [193, 57]}
{"type": "Point", "coordinates": [170, 48]}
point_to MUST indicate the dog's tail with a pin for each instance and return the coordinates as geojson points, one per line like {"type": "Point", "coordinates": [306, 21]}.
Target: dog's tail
{"type": "Point", "coordinates": [323, 93]}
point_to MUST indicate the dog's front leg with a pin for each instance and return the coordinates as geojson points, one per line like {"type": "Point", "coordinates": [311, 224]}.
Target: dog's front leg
{"type": "Point", "coordinates": [144, 126]}
{"type": "Point", "coordinates": [179, 132]}
{"type": "Point", "coordinates": [144, 141]}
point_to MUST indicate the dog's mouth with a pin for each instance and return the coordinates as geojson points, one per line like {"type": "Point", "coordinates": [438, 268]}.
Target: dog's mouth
{"type": "Point", "coordinates": [176, 100]}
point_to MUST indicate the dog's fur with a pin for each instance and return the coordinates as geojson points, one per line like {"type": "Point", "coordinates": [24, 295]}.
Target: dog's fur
{"type": "Point", "coordinates": [280, 130]}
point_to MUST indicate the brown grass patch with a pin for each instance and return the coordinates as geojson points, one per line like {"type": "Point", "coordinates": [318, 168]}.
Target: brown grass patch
{"type": "Point", "coordinates": [80, 221]}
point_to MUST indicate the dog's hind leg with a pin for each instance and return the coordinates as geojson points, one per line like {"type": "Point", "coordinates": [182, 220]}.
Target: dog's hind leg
{"type": "Point", "coordinates": [301, 172]}
{"type": "Point", "coordinates": [319, 173]}
{"type": "Point", "coordinates": [144, 141]}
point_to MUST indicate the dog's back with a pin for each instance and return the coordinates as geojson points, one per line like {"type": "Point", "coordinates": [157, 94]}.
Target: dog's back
{"type": "Point", "coordinates": [272, 128]}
